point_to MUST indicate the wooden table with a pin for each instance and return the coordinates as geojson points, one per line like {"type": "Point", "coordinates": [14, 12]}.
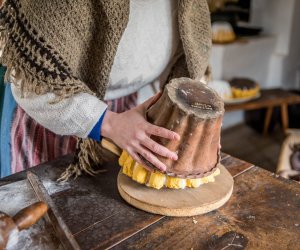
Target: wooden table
{"type": "Point", "coordinates": [269, 99]}
{"type": "Point", "coordinates": [263, 213]}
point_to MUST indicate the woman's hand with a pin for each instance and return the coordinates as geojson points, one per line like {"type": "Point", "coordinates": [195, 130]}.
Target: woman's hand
{"type": "Point", "coordinates": [130, 131]}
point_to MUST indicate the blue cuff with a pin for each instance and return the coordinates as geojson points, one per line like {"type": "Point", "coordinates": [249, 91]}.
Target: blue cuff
{"type": "Point", "coordinates": [95, 132]}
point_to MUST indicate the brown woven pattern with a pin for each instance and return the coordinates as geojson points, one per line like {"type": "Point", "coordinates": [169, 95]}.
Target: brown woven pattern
{"type": "Point", "coordinates": [66, 47]}
{"type": "Point", "coordinates": [63, 47]}
{"type": "Point", "coordinates": [195, 33]}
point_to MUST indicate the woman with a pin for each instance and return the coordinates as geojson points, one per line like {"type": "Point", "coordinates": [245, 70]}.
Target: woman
{"type": "Point", "coordinates": [65, 58]}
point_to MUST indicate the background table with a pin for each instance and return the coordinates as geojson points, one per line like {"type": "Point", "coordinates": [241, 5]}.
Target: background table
{"type": "Point", "coordinates": [263, 213]}
{"type": "Point", "coordinates": [269, 99]}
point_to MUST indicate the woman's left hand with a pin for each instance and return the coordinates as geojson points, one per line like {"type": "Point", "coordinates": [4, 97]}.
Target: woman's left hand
{"type": "Point", "coordinates": [131, 131]}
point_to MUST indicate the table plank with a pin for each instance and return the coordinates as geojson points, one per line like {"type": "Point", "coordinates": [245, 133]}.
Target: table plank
{"type": "Point", "coordinates": [92, 207]}
{"type": "Point", "coordinates": [235, 166]}
{"type": "Point", "coordinates": [116, 228]}
{"type": "Point", "coordinates": [263, 213]}
{"type": "Point", "coordinates": [16, 196]}
{"type": "Point", "coordinates": [224, 155]}
{"type": "Point", "coordinates": [92, 199]}
{"type": "Point", "coordinates": [105, 219]}
{"type": "Point", "coordinates": [129, 221]}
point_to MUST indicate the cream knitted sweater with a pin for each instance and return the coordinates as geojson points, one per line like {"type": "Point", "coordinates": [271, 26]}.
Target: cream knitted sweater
{"type": "Point", "coordinates": [146, 48]}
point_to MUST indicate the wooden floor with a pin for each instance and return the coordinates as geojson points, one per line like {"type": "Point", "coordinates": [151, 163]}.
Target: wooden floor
{"type": "Point", "coordinates": [243, 142]}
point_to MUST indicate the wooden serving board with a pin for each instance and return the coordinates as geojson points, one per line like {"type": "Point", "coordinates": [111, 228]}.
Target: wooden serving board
{"type": "Point", "coordinates": [182, 202]}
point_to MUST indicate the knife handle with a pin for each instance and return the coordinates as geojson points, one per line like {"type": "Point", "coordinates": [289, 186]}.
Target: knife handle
{"type": "Point", "coordinates": [30, 215]}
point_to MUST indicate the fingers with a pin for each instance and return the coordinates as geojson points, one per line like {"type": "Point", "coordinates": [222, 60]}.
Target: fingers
{"type": "Point", "coordinates": [138, 159]}
{"type": "Point", "coordinates": [147, 159]}
{"type": "Point", "coordinates": [162, 132]}
{"type": "Point", "coordinates": [159, 149]}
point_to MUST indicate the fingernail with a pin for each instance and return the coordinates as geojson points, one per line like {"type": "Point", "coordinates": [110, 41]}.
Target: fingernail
{"type": "Point", "coordinates": [177, 137]}
{"type": "Point", "coordinates": [174, 157]}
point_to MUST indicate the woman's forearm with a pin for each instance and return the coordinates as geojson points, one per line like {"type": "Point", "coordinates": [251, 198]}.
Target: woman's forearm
{"type": "Point", "coordinates": [76, 115]}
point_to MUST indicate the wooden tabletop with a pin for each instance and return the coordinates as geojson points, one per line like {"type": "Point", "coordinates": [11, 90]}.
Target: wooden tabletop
{"type": "Point", "coordinates": [268, 98]}
{"type": "Point", "coordinates": [263, 213]}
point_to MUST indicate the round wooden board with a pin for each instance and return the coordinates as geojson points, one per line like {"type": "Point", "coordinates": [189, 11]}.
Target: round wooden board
{"type": "Point", "coordinates": [182, 202]}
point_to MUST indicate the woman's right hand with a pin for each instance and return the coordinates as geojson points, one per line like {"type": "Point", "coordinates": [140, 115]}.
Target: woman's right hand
{"type": "Point", "coordinates": [131, 132]}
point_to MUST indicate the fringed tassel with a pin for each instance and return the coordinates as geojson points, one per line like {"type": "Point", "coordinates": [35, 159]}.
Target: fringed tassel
{"type": "Point", "coordinates": [88, 156]}
{"type": "Point", "coordinates": [7, 76]}
{"type": "Point", "coordinates": [33, 81]}
{"type": "Point", "coordinates": [3, 39]}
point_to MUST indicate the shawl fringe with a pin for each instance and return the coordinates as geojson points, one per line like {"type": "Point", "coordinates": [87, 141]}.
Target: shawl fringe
{"type": "Point", "coordinates": [89, 156]}
{"type": "Point", "coordinates": [29, 60]}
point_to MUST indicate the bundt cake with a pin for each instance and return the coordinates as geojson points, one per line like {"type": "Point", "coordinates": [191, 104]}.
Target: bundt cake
{"type": "Point", "coordinates": [195, 112]}
{"type": "Point", "coordinates": [222, 32]}
{"type": "Point", "coordinates": [244, 87]}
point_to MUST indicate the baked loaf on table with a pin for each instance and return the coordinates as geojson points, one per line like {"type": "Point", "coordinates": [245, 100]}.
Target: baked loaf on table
{"type": "Point", "coordinates": [195, 112]}
{"type": "Point", "coordinates": [244, 87]}
{"type": "Point", "coordinates": [222, 32]}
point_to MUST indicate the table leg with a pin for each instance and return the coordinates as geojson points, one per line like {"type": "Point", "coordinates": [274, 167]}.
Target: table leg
{"type": "Point", "coordinates": [268, 119]}
{"type": "Point", "coordinates": [284, 117]}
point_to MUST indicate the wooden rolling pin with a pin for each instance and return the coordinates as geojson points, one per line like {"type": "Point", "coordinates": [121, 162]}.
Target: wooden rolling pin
{"type": "Point", "coordinates": [10, 226]}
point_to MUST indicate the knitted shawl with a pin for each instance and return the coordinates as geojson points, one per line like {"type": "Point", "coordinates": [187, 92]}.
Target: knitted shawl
{"type": "Point", "coordinates": [68, 47]}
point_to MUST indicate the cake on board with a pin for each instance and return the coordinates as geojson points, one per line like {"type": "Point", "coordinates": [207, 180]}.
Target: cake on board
{"type": "Point", "coordinates": [196, 183]}
{"type": "Point", "coordinates": [195, 112]}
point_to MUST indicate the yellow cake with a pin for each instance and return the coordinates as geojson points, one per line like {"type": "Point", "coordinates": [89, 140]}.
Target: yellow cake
{"type": "Point", "coordinates": [157, 179]}
{"type": "Point", "coordinates": [244, 88]}
{"type": "Point", "coordinates": [222, 32]}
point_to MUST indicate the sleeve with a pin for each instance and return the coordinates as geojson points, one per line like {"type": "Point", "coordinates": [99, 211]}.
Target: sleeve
{"type": "Point", "coordinates": [95, 133]}
{"type": "Point", "coordinates": [76, 115]}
